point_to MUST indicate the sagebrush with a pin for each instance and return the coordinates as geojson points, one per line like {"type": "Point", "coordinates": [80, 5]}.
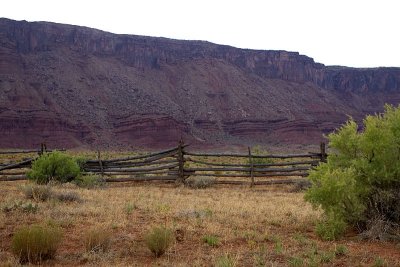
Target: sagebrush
{"type": "Point", "coordinates": [36, 243]}
{"type": "Point", "coordinates": [158, 240]}
{"type": "Point", "coordinates": [360, 182]}
{"type": "Point", "coordinates": [54, 166]}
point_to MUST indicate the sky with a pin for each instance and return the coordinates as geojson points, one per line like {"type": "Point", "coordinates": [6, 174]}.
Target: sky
{"type": "Point", "coordinates": [354, 33]}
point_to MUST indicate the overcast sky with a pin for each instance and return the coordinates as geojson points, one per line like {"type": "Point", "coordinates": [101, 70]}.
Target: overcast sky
{"type": "Point", "coordinates": [352, 33]}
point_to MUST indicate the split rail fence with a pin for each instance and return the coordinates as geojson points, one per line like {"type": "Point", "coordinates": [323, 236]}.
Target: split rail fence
{"type": "Point", "coordinates": [178, 164]}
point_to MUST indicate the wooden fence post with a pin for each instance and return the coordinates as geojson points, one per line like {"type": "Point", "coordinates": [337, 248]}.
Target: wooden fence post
{"type": "Point", "coordinates": [251, 168]}
{"type": "Point", "coordinates": [181, 161]}
{"type": "Point", "coordinates": [323, 152]}
{"type": "Point", "coordinates": [42, 149]}
{"type": "Point", "coordinates": [100, 162]}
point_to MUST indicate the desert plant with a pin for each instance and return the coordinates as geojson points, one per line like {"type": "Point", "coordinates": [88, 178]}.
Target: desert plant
{"type": "Point", "coordinates": [360, 181]}
{"type": "Point", "coordinates": [89, 181]}
{"type": "Point", "coordinates": [158, 240]}
{"type": "Point", "coordinates": [54, 166]}
{"type": "Point", "coordinates": [68, 196]}
{"type": "Point", "coordinates": [129, 208]}
{"type": "Point", "coordinates": [97, 240]}
{"type": "Point", "coordinates": [211, 240]}
{"type": "Point", "coordinates": [295, 261]}
{"type": "Point", "coordinates": [327, 256]}
{"type": "Point", "coordinates": [36, 243]}
{"type": "Point", "coordinates": [199, 182]}
{"type": "Point", "coordinates": [225, 261]}
{"type": "Point", "coordinates": [330, 228]}
{"type": "Point", "coordinates": [341, 250]}
{"type": "Point", "coordinates": [19, 205]}
{"type": "Point", "coordinates": [379, 262]}
{"type": "Point", "coordinates": [37, 192]}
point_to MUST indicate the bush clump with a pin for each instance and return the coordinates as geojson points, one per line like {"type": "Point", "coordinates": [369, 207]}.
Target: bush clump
{"type": "Point", "coordinates": [211, 240]}
{"type": "Point", "coordinates": [89, 181]}
{"type": "Point", "coordinates": [68, 196]}
{"type": "Point", "coordinates": [55, 166]}
{"type": "Point", "coordinates": [158, 240]}
{"type": "Point", "coordinates": [37, 192]}
{"type": "Point", "coordinates": [360, 182]}
{"type": "Point", "coordinates": [200, 182]}
{"type": "Point", "coordinates": [36, 243]}
{"type": "Point", "coordinates": [97, 240]}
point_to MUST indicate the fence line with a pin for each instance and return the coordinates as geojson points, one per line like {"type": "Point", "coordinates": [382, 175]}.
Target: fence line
{"type": "Point", "coordinates": [177, 164]}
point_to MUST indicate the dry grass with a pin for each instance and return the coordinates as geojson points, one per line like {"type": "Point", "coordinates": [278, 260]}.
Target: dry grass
{"type": "Point", "coordinates": [254, 226]}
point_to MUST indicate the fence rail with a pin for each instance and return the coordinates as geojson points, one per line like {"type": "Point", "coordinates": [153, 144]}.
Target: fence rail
{"type": "Point", "coordinates": [177, 164]}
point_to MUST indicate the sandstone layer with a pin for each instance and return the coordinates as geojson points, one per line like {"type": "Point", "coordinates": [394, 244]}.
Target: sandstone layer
{"type": "Point", "coordinates": [73, 86]}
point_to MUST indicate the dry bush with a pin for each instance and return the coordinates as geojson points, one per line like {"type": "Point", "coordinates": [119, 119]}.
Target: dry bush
{"type": "Point", "coordinates": [36, 243]}
{"type": "Point", "coordinates": [199, 182]}
{"type": "Point", "coordinates": [37, 192]}
{"type": "Point", "coordinates": [68, 196]}
{"type": "Point", "coordinates": [97, 239]}
{"type": "Point", "coordinates": [158, 240]}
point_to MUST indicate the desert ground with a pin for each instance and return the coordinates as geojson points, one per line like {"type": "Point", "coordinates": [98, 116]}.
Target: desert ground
{"type": "Point", "coordinates": [259, 226]}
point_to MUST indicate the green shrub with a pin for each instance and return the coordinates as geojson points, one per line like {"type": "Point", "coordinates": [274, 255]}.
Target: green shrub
{"type": "Point", "coordinates": [295, 261]}
{"type": "Point", "coordinates": [89, 181]}
{"type": "Point", "coordinates": [327, 256]}
{"type": "Point", "coordinates": [225, 261]}
{"type": "Point", "coordinates": [258, 151]}
{"type": "Point", "coordinates": [360, 181]}
{"type": "Point", "coordinates": [211, 240]}
{"type": "Point", "coordinates": [36, 243]}
{"type": "Point", "coordinates": [37, 192]}
{"type": "Point", "coordinates": [330, 228]}
{"type": "Point", "coordinates": [199, 182]}
{"type": "Point", "coordinates": [97, 240]}
{"type": "Point", "coordinates": [341, 250]}
{"type": "Point", "coordinates": [379, 262]}
{"type": "Point", "coordinates": [54, 166]}
{"type": "Point", "coordinates": [158, 240]}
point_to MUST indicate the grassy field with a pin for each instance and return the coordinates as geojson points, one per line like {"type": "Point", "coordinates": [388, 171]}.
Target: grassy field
{"type": "Point", "coordinates": [218, 226]}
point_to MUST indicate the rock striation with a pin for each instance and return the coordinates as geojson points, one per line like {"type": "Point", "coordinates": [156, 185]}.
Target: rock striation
{"type": "Point", "coordinates": [74, 86]}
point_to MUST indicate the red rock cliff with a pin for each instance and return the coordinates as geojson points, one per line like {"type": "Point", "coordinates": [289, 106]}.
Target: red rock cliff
{"type": "Point", "coordinates": [75, 86]}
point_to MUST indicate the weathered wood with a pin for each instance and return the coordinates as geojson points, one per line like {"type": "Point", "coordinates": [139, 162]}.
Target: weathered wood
{"type": "Point", "coordinates": [309, 155]}
{"type": "Point", "coordinates": [256, 170]}
{"type": "Point", "coordinates": [246, 176]}
{"type": "Point", "coordinates": [323, 152]}
{"type": "Point", "coordinates": [157, 161]}
{"type": "Point", "coordinates": [307, 162]}
{"type": "Point", "coordinates": [19, 152]}
{"type": "Point", "coordinates": [286, 181]}
{"type": "Point", "coordinates": [100, 162]}
{"type": "Point", "coordinates": [138, 157]}
{"type": "Point", "coordinates": [163, 167]}
{"type": "Point", "coordinates": [13, 173]}
{"type": "Point", "coordinates": [175, 172]}
{"type": "Point", "coordinates": [141, 179]}
{"type": "Point", "coordinates": [271, 182]}
{"type": "Point", "coordinates": [181, 162]}
{"type": "Point", "coordinates": [17, 165]}
{"type": "Point", "coordinates": [28, 151]}
{"type": "Point", "coordinates": [13, 178]}
{"type": "Point", "coordinates": [130, 164]}
{"type": "Point", "coordinates": [251, 168]}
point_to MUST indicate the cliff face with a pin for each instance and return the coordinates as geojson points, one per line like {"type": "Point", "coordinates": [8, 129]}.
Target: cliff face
{"type": "Point", "coordinates": [75, 86]}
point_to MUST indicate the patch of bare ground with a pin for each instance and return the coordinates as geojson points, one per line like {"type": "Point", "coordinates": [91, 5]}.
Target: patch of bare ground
{"type": "Point", "coordinates": [262, 226]}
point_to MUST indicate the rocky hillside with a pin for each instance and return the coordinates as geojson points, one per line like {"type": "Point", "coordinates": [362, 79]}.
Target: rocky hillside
{"type": "Point", "coordinates": [73, 86]}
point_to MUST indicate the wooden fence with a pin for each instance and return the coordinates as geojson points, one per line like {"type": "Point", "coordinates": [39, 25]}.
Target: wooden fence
{"type": "Point", "coordinates": [177, 164]}
{"type": "Point", "coordinates": [14, 171]}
